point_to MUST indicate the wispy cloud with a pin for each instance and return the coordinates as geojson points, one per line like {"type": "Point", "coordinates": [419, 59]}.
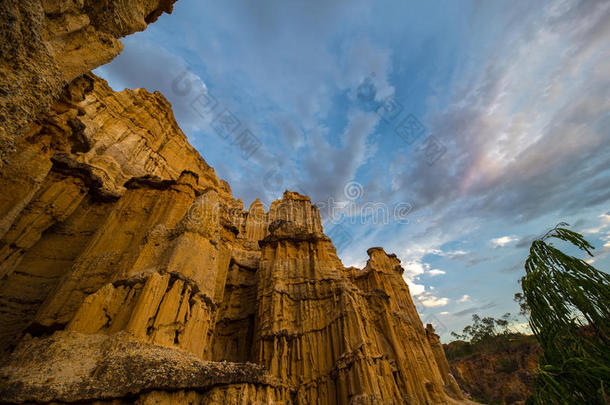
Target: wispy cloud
{"type": "Point", "coordinates": [603, 224]}
{"type": "Point", "coordinates": [503, 241]}
{"type": "Point", "coordinates": [529, 134]}
{"type": "Point", "coordinates": [144, 64]}
{"type": "Point", "coordinates": [430, 300]}
{"type": "Point", "coordinates": [517, 93]}
{"type": "Point", "coordinates": [472, 310]}
{"type": "Point", "coordinates": [464, 298]}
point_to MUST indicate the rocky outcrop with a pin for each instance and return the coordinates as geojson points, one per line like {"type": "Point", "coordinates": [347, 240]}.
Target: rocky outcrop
{"type": "Point", "coordinates": [115, 366]}
{"type": "Point", "coordinates": [130, 273]}
{"type": "Point", "coordinates": [441, 360]}
{"type": "Point", "coordinates": [500, 375]}
{"type": "Point", "coordinates": [45, 44]}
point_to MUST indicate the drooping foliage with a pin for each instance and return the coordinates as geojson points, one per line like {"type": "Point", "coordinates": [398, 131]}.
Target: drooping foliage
{"type": "Point", "coordinates": [568, 301]}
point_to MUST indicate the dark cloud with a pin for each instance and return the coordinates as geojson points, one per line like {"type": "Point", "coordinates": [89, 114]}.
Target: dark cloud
{"type": "Point", "coordinates": [514, 268]}
{"type": "Point", "coordinates": [580, 222]}
{"type": "Point", "coordinates": [328, 168]}
{"type": "Point", "coordinates": [143, 64]}
{"type": "Point", "coordinates": [472, 310]}
{"type": "Point", "coordinates": [473, 261]}
{"type": "Point", "coordinates": [526, 241]}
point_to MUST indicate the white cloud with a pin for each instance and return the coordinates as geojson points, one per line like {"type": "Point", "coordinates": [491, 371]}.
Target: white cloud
{"type": "Point", "coordinates": [503, 241]}
{"type": "Point", "coordinates": [456, 253]}
{"type": "Point", "coordinates": [601, 226]}
{"type": "Point", "coordinates": [465, 298]}
{"type": "Point", "coordinates": [415, 268]}
{"type": "Point", "coordinates": [144, 64]}
{"type": "Point", "coordinates": [414, 288]}
{"type": "Point", "coordinates": [451, 254]}
{"type": "Point", "coordinates": [521, 327]}
{"type": "Point", "coordinates": [444, 313]}
{"type": "Point", "coordinates": [429, 300]}
{"type": "Point", "coordinates": [590, 231]}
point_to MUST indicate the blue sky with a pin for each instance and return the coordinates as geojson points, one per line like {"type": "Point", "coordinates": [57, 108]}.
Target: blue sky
{"type": "Point", "coordinates": [450, 133]}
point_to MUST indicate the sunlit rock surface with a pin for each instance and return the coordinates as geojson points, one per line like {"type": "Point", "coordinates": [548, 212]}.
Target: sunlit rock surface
{"type": "Point", "coordinates": [130, 274]}
{"type": "Point", "coordinates": [45, 44]}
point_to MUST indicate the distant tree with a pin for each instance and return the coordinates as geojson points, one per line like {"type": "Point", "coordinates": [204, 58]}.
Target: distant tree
{"type": "Point", "coordinates": [568, 302]}
{"type": "Point", "coordinates": [503, 323]}
{"type": "Point", "coordinates": [519, 298]}
{"type": "Point", "coordinates": [485, 330]}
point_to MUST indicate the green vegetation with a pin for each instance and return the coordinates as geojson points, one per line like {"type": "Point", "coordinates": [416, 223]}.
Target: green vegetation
{"type": "Point", "coordinates": [483, 329]}
{"type": "Point", "coordinates": [485, 335]}
{"type": "Point", "coordinates": [507, 365]}
{"type": "Point", "coordinates": [568, 302]}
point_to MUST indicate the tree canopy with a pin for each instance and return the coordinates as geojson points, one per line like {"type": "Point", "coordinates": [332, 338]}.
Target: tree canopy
{"type": "Point", "coordinates": [568, 302]}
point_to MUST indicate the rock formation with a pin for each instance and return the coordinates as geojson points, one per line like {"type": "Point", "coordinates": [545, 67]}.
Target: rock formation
{"type": "Point", "coordinates": [45, 44]}
{"type": "Point", "coordinates": [130, 274]}
{"type": "Point", "coordinates": [500, 375]}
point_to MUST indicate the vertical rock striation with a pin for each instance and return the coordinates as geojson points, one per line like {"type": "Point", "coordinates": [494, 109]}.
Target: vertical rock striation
{"type": "Point", "coordinates": [119, 245]}
{"type": "Point", "coordinates": [45, 44]}
{"type": "Point", "coordinates": [130, 274]}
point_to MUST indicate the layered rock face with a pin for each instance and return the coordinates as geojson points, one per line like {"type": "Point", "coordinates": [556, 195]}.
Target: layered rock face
{"type": "Point", "coordinates": [45, 44]}
{"type": "Point", "coordinates": [131, 274]}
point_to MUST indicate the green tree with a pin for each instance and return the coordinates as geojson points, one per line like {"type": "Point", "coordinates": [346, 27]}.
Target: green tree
{"type": "Point", "coordinates": [568, 302]}
{"type": "Point", "coordinates": [486, 332]}
{"type": "Point", "coordinates": [519, 298]}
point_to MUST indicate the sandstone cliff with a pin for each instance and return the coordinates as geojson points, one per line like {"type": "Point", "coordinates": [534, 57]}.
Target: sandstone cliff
{"type": "Point", "coordinates": [45, 44]}
{"type": "Point", "coordinates": [121, 246]}
{"type": "Point", "coordinates": [130, 274]}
